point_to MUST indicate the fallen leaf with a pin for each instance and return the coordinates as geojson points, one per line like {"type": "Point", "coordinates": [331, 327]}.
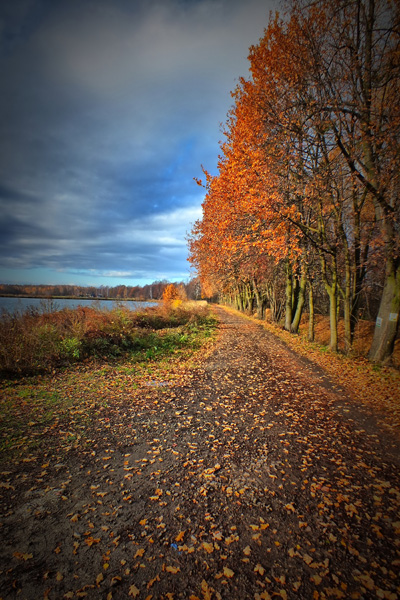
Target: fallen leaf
{"type": "Point", "coordinates": [91, 540]}
{"type": "Point", "coordinates": [22, 555]}
{"type": "Point", "coordinates": [228, 572]}
{"type": "Point", "coordinates": [172, 569]}
{"type": "Point", "coordinates": [152, 581]}
{"type": "Point", "coordinates": [133, 591]}
{"type": "Point", "coordinates": [208, 547]}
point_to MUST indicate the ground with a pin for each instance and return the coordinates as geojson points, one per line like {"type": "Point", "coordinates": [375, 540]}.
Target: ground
{"type": "Point", "coordinates": [252, 476]}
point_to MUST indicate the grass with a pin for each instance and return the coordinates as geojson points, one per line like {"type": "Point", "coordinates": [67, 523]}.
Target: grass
{"type": "Point", "coordinates": [34, 342]}
{"type": "Point", "coordinates": [51, 402]}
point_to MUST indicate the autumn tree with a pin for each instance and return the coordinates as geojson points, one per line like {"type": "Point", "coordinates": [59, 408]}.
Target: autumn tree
{"type": "Point", "coordinates": [355, 68]}
{"type": "Point", "coordinates": [308, 176]}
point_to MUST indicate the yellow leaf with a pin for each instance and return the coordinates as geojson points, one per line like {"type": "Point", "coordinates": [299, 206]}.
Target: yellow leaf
{"type": "Point", "coordinates": [99, 578]}
{"type": "Point", "coordinates": [296, 585]}
{"type": "Point", "coordinates": [133, 591]}
{"type": "Point", "coordinates": [206, 590]}
{"type": "Point", "coordinates": [307, 559]}
{"type": "Point", "coordinates": [259, 569]}
{"type": "Point", "coordinates": [22, 556]}
{"type": "Point", "coordinates": [247, 551]}
{"type": "Point", "coordinates": [139, 552]}
{"type": "Point", "coordinates": [208, 547]}
{"type": "Point", "coordinates": [74, 518]}
{"type": "Point", "coordinates": [180, 536]}
{"type": "Point", "coordinates": [143, 522]}
{"type": "Point", "coordinates": [228, 572]}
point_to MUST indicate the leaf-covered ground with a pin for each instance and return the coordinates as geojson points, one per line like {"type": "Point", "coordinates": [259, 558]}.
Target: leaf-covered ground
{"type": "Point", "coordinates": [249, 476]}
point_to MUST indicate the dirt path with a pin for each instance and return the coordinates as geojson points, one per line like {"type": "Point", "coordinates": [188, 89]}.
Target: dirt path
{"type": "Point", "coordinates": [252, 479]}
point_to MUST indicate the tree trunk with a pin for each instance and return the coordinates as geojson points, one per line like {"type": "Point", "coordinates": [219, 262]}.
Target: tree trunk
{"type": "Point", "coordinates": [259, 301]}
{"type": "Point", "coordinates": [332, 293]}
{"type": "Point", "coordinates": [387, 322]}
{"type": "Point", "coordinates": [289, 296]}
{"type": "Point", "coordinates": [347, 304]}
{"type": "Point", "coordinates": [331, 288]}
{"type": "Point", "coordinates": [301, 296]}
{"type": "Point", "coordinates": [311, 335]}
{"type": "Point", "coordinates": [238, 301]}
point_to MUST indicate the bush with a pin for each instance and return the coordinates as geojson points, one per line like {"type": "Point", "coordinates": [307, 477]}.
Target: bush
{"type": "Point", "coordinates": [33, 341]}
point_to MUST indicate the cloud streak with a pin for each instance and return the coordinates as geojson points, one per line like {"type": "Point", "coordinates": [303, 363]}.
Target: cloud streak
{"type": "Point", "coordinates": [108, 112]}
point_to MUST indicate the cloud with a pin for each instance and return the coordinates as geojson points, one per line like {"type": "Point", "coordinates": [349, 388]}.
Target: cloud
{"type": "Point", "coordinates": [109, 110]}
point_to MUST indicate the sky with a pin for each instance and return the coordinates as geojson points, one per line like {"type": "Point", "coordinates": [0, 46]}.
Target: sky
{"type": "Point", "coordinates": [108, 110]}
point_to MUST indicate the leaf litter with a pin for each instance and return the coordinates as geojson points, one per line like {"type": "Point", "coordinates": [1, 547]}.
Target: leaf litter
{"type": "Point", "coordinates": [244, 478]}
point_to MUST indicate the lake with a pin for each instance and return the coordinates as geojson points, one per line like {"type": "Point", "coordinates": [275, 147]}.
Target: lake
{"type": "Point", "coordinates": [20, 305]}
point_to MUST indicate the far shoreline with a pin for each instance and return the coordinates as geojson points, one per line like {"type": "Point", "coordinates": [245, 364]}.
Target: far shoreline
{"type": "Point", "coordinates": [94, 298]}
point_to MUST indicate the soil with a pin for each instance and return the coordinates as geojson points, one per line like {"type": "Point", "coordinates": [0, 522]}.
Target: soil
{"type": "Point", "coordinates": [253, 477]}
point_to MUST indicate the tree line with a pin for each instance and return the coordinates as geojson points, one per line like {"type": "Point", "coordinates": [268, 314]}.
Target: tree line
{"type": "Point", "coordinates": [304, 210]}
{"type": "Point", "coordinates": [153, 291]}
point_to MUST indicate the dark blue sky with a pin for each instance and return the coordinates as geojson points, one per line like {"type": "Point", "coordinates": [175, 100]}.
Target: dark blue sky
{"type": "Point", "coordinates": [108, 109]}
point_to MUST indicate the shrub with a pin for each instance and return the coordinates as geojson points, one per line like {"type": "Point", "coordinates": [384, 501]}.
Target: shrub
{"type": "Point", "coordinates": [34, 341]}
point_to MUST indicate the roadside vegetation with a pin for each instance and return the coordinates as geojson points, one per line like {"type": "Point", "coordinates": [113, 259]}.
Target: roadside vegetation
{"type": "Point", "coordinates": [32, 341]}
{"type": "Point", "coordinates": [60, 369]}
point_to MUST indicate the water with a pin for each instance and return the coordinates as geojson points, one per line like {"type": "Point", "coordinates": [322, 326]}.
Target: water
{"type": "Point", "coordinates": [20, 305]}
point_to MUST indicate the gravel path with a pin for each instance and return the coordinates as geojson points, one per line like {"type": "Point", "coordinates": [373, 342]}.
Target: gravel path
{"type": "Point", "coordinates": [252, 478]}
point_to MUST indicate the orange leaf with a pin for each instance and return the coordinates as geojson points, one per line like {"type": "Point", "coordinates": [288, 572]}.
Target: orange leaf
{"type": "Point", "coordinates": [228, 572]}
{"type": "Point", "coordinates": [133, 591]}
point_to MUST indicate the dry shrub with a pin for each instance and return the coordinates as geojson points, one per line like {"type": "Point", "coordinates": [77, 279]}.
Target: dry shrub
{"type": "Point", "coordinates": [31, 341]}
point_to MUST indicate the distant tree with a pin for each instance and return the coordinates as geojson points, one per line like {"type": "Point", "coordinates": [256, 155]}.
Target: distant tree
{"type": "Point", "coordinates": [171, 293]}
